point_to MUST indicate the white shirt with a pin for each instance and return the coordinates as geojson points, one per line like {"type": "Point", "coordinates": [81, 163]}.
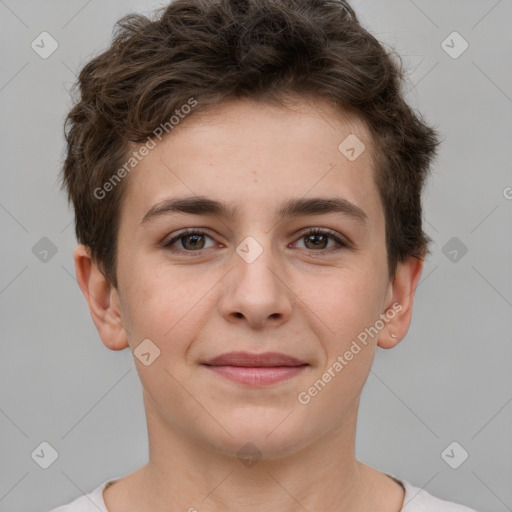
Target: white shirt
{"type": "Point", "coordinates": [416, 500]}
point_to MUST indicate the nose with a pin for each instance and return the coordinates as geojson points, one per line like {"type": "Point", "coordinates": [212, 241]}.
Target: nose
{"type": "Point", "coordinates": [257, 292]}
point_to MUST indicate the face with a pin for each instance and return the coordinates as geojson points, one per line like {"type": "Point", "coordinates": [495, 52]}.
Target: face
{"type": "Point", "coordinates": [295, 263]}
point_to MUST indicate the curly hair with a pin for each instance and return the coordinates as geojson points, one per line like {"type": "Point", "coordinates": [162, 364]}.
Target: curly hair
{"type": "Point", "coordinates": [219, 50]}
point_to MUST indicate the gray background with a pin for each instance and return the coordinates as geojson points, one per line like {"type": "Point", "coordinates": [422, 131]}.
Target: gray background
{"type": "Point", "coordinates": [449, 380]}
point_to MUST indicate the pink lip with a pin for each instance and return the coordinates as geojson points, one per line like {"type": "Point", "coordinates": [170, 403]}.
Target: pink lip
{"type": "Point", "coordinates": [256, 369]}
{"type": "Point", "coordinates": [257, 376]}
{"type": "Point", "coordinates": [253, 360]}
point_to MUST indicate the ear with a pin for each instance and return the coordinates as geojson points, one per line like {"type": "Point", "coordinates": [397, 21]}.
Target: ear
{"type": "Point", "coordinates": [103, 300]}
{"type": "Point", "coordinates": [400, 299]}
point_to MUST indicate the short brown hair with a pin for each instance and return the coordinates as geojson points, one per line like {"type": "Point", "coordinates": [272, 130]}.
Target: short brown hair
{"type": "Point", "coordinates": [217, 50]}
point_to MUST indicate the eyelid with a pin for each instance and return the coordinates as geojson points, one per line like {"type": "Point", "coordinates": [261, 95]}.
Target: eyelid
{"type": "Point", "coordinates": [341, 241]}
{"type": "Point", "coordinates": [173, 238]}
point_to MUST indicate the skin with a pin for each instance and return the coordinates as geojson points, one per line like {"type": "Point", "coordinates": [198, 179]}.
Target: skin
{"type": "Point", "coordinates": [295, 298]}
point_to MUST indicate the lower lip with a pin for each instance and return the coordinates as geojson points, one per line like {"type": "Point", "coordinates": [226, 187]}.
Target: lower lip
{"type": "Point", "coordinates": [257, 376]}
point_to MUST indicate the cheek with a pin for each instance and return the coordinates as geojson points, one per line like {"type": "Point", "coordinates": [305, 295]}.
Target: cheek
{"type": "Point", "coordinates": [348, 310]}
{"type": "Point", "coordinates": [349, 300]}
{"type": "Point", "coordinates": [163, 305]}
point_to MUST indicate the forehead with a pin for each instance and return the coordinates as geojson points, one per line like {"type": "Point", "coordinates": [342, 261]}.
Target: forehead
{"type": "Point", "coordinates": [245, 149]}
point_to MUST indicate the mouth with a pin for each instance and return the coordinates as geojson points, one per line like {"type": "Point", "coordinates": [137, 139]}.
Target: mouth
{"type": "Point", "coordinates": [256, 369]}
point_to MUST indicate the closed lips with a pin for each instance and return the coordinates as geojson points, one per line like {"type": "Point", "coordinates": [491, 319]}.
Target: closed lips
{"type": "Point", "coordinates": [248, 360]}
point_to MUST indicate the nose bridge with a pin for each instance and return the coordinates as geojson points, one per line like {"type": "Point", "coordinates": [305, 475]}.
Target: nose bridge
{"type": "Point", "coordinates": [257, 289]}
{"type": "Point", "coordinates": [257, 265]}
{"type": "Point", "coordinates": [257, 262]}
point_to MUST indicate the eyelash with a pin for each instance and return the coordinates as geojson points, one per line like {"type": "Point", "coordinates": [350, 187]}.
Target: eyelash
{"type": "Point", "coordinates": [342, 244]}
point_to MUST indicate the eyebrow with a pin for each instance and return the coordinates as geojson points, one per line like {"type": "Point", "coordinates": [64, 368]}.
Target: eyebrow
{"type": "Point", "coordinates": [200, 205]}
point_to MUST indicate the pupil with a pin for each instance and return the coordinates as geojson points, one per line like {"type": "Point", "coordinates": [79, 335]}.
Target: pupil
{"type": "Point", "coordinates": [194, 244]}
{"type": "Point", "coordinates": [195, 240]}
{"type": "Point", "coordinates": [316, 237]}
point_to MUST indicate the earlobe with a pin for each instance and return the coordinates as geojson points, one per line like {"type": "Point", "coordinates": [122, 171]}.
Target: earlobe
{"type": "Point", "coordinates": [399, 307]}
{"type": "Point", "coordinates": [102, 299]}
{"type": "Point", "coordinates": [388, 340]}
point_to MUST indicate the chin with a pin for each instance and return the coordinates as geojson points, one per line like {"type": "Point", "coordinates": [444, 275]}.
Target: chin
{"type": "Point", "coordinates": [262, 439]}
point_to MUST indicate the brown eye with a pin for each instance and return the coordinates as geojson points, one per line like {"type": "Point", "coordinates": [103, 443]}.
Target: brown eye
{"type": "Point", "coordinates": [188, 240]}
{"type": "Point", "coordinates": [194, 241]}
{"type": "Point", "coordinates": [318, 240]}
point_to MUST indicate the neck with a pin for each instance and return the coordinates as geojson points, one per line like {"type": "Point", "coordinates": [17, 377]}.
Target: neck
{"type": "Point", "coordinates": [186, 474]}
{"type": "Point", "coordinates": [323, 475]}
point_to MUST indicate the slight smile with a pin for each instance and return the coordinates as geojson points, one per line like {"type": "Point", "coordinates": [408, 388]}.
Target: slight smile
{"type": "Point", "coordinates": [256, 369]}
